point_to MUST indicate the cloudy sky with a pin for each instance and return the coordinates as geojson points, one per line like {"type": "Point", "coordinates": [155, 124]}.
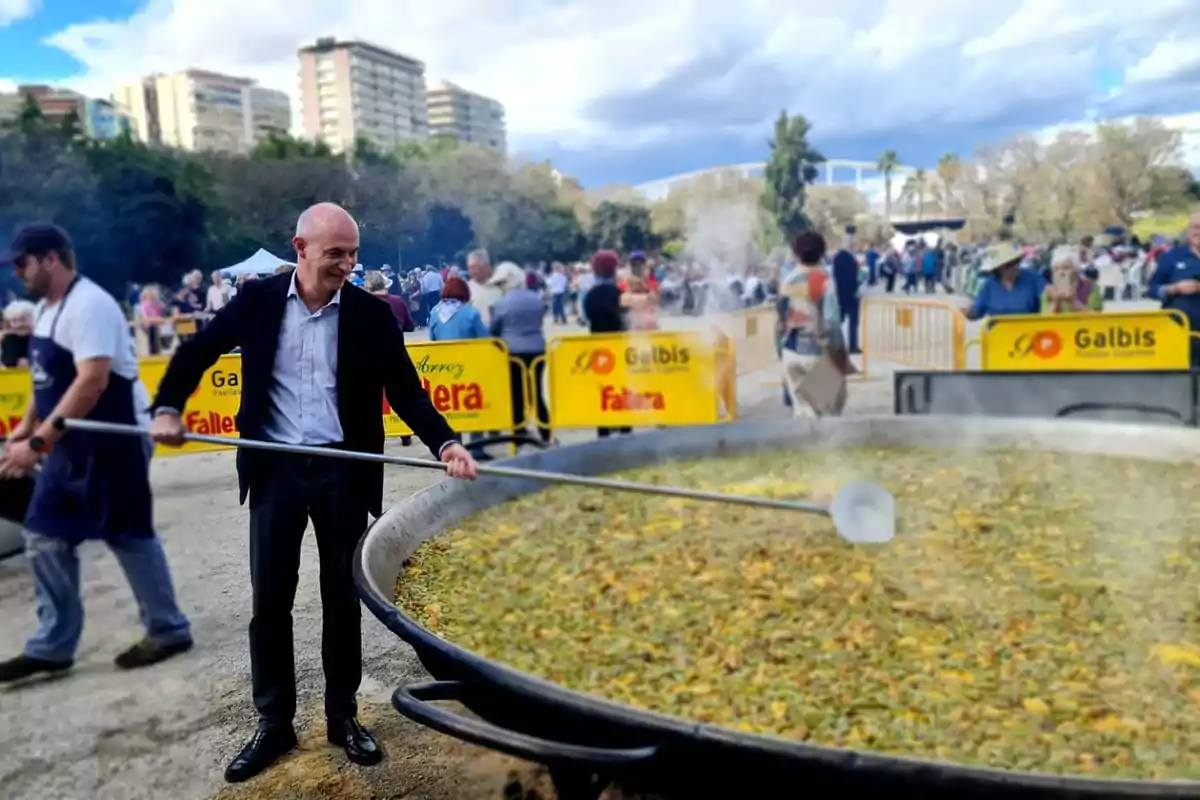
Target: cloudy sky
{"type": "Point", "coordinates": [629, 90]}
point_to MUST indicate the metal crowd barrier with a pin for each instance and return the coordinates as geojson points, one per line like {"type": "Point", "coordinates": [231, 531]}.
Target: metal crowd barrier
{"type": "Point", "coordinates": [145, 331]}
{"type": "Point", "coordinates": [923, 334]}
{"type": "Point", "coordinates": [1140, 340]}
{"type": "Point", "coordinates": [640, 379]}
{"type": "Point", "coordinates": [753, 336]}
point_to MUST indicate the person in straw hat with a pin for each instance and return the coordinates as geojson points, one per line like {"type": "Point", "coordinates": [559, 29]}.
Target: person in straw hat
{"type": "Point", "coordinates": [1006, 289]}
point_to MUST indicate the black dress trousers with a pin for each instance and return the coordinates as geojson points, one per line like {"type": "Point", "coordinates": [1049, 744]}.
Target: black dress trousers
{"type": "Point", "coordinates": [286, 492]}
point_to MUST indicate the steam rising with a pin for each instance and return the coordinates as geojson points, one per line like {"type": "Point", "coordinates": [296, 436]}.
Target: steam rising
{"type": "Point", "coordinates": [719, 236]}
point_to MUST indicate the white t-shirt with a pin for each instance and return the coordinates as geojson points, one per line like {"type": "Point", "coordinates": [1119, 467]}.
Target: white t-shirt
{"type": "Point", "coordinates": [92, 325]}
{"type": "Point", "coordinates": [557, 283]}
{"type": "Point", "coordinates": [218, 296]}
{"type": "Point", "coordinates": [483, 297]}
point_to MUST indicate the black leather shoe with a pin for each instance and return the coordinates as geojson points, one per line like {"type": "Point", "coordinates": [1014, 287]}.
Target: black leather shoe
{"type": "Point", "coordinates": [264, 749]}
{"type": "Point", "coordinates": [23, 666]}
{"type": "Point", "coordinates": [358, 743]}
{"type": "Point", "coordinates": [146, 653]}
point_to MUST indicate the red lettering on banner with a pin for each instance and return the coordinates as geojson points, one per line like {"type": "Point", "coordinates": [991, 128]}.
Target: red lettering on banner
{"type": "Point", "coordinates": [7, 425]}
{"type": "Point", "coordinates": [454, 396]}
{"type": "Point", "coordinates": [210, 423]}
{"type": "Point", "coordinates": [448, 396]}
{"type": "Point", "coordinates": [614, 399]}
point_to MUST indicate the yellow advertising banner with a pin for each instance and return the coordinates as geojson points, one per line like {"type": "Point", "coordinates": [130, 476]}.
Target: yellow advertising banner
{"type": "Point", "coordinates": [1136, 340]}
{"type": "Point", "coordinates": [468, 382]}
{"type": "Point", "coordinates": [636, 379]}
{"type": "Point", "coordinates": [212, 408]}
{"type": "Point", "coordinates": [15, 390]}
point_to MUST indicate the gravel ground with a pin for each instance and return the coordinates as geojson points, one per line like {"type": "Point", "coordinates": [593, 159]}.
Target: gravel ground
{"type": "Point", "coordinates": [168, 731]}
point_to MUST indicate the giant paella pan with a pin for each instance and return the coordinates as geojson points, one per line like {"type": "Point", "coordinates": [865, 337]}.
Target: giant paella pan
{"type": "Point", "coordinates": [1033, 630]}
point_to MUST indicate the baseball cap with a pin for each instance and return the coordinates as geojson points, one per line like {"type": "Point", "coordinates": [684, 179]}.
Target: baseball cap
{"type": "Point", "coordinates": [637, 255]}
{"type": "Point", "coordinates": [36, 239]}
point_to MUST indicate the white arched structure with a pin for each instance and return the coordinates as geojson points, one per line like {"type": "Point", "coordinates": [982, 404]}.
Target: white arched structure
{"type": "Point", "coordinates": [830, 170]}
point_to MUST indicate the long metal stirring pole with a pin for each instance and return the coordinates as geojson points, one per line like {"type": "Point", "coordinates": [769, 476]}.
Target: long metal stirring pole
{"type": "Point", "coordinates": [496, 471]}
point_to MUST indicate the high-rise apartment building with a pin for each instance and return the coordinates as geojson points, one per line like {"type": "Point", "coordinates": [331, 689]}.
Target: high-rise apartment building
{"type": "Point", "coordinates": [139, 102]}
{"type": "Point", "coordinates": [351, 89]}
{"type": "Point", "coordinates": [469, 117]}
{"type": "Point", "coordinates": [200, 110]}
{"type": "Point", "coordinates": [270, 112]}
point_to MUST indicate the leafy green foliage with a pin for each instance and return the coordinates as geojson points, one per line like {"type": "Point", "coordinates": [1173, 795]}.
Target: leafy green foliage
{"type": "Point", "coordinates": [149, 214]}
{"type": "Point", "coordinates": [622, 226]}
{"type": "Point", "coordinates": [790, 169]}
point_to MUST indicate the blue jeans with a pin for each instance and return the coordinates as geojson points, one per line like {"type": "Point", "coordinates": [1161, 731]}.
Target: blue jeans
{"type": "Point", "coordinates": [559, 308]}
{"type": "Point", "coordinates": [55, 564]}
{"type": "Point", "coordinates": [582, 313]}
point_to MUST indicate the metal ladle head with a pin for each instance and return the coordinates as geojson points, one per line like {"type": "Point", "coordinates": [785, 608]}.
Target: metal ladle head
{"type": "Point", "coordinates": [864, 513]}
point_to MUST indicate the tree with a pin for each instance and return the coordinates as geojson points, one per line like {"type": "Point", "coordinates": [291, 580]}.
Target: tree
{"type": "Point", "coordinates": [279, 146]}
{"type": "Point", "coordinates": [1127, 157]}
{"type": "Point", "coordinates": [622, 227]}
{"type": "Point", "coordinates": [30, 119]}
{"type": "Point", "coordinates": [949, 169]}
{"type": "Point", "coordinates": [914, 193]}
{"type": "Point", "coordinates": [1172, 188]}
{"type": "Point", "coordinates": [71, 126]}
{"type": "Point", "coordinates": [791, 167]}
{"type": "Point", "coordinates": [150, 214]}
{"type": "Point", "coordinates": [887, 164]}
{"type": "Point", "coordinates": [831, 209]}
{"type": "Point", "coordinates": [1066, 180]}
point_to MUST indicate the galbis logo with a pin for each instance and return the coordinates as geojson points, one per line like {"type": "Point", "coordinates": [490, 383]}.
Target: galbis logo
{"type": "Point", "coordinates": [600, 361]}
{"type": "Point", "coordinates": [1044, 345]}
{"type": "Point", "coordinates": [1114, 339]}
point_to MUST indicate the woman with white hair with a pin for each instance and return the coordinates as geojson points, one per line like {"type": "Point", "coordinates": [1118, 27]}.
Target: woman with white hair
{"type": "Point", "coordinates": [519, 319]}
{"type": "Point", "coordinates": [1069, 291]}
{"type": "Point", "coordinates": [18, 325]}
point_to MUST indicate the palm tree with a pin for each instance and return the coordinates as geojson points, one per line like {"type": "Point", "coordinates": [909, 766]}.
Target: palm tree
{"type": "Point", "coordinates": [886, 165]}
{"type": "Point", "coordinates": [949, 169]}
{"type": "Point", "coordinates": [914, 192]}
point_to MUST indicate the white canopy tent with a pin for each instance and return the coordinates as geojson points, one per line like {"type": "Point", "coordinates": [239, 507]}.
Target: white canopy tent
{"type": "Point", "coordinates": [261, 263]}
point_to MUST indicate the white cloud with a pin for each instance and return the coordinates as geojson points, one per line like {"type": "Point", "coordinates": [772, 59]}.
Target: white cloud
{"type": "Point", "coordinates": [1168, 59]}
{"type": "Point", "coordinates": [13, 10]}
{"type": "Point", "coordinates": [1187, 124]}
{"type": "Point", "coordinates": [606, 74]}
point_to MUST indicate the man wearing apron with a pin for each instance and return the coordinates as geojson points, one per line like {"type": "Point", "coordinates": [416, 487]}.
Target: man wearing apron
{"type": "Point", "coordinates": [91, 486]}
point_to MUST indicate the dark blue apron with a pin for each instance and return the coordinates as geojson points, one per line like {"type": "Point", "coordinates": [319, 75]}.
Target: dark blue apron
{"type": "Point", "coordinates": [91, 486]}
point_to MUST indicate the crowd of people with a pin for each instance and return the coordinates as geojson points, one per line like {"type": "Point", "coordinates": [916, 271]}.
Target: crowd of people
{"type": "Point", "coordinates": [516, 302]}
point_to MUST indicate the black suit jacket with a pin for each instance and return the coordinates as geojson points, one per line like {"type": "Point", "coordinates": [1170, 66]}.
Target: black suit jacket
{"type": "Point", "coordinates": [372, 361]}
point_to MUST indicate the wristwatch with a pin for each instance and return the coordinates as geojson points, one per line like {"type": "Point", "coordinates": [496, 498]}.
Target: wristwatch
{"type": "Point", "coordinates": [38, 445]}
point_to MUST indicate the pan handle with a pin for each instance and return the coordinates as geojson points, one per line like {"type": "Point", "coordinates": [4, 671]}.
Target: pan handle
{"type": "Point", "coordinates": [1141, 408]}
{"type": "Point", "coordinates": [415, 702]}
